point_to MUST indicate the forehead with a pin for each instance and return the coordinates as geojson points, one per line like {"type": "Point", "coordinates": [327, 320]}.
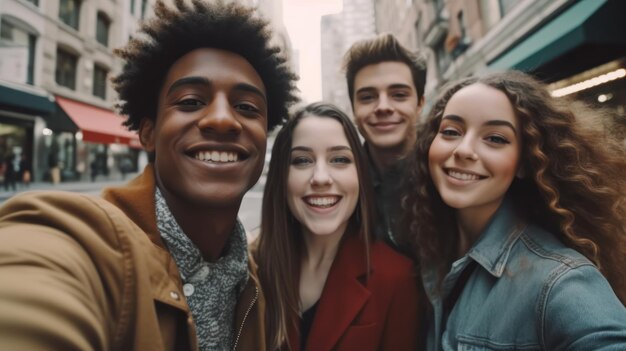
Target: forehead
{"type": "Point", "coordinates": [383, 74]}
{"type": "Point", "coordinates": [218, 66]}
{"type": "Point", "coordinates": [315, 131]}
{"type": "Point", "coordinates": [480, 102]}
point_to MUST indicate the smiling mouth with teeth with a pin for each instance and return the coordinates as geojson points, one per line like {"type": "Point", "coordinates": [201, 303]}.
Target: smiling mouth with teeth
{"type": "Point", "coordinates": [463, 176]}
{"type": "Point", "coordinates": [322, 202]}
{"type": "Point", "coordinates": [217, 156]}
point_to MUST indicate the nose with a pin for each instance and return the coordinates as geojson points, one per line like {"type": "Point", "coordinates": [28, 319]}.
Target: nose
{"type": "Point", "coordinates": [465, 149]}
{"type": "Point", "coordinates": [219, 117]}
{"type": "Point", "coordinates": [384, 105]}
{"type": "Point", "coordinates": [321, 175]}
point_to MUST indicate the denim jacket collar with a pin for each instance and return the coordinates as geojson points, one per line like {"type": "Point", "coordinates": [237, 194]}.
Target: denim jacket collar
{"type": "Point", "coordinates": [494, 245]}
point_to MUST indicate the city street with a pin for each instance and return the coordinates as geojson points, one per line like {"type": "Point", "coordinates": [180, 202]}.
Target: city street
{"type": "Point", "coordinates": [249, 213]}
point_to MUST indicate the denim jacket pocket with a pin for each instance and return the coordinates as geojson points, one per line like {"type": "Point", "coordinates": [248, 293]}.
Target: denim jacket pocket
{"type": "Point", "coordinates": [472, 343]}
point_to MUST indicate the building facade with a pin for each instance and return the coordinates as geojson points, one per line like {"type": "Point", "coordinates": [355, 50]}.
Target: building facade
{"type": "Point", "coordinates": [56, 99]}
{"type": "Point", "coordinates": [338, 32]}
{"type": "Point", "coordinates": [576, 45]}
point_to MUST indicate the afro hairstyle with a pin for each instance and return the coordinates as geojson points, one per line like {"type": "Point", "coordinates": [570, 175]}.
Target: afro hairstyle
{"type": "Point", "coordinates": [174, 32]}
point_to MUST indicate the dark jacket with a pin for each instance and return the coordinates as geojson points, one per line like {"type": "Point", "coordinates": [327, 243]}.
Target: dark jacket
{"type": "Point", "coordinates": [388, 195]}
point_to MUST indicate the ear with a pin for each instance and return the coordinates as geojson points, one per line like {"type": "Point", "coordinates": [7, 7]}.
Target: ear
{"type": "Point", "coordinates": [146, 134]}
{"type": "Point", "coordinates": [421, 101]}
{"type": "Point", "coordinates": [420, 105]}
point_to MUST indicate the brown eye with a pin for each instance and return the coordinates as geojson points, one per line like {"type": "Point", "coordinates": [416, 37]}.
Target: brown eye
{"type": "Point", "coordinates": [497, 139]}
{"type": "Point", "coordinates": [301, 160]}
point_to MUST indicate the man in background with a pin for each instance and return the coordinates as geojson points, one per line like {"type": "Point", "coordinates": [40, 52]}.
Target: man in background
{"type": "Point", "coordinates": [386, 88]}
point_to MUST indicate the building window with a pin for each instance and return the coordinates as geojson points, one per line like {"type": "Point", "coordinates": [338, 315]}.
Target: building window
{"type": "Point", "coordinates": [20, 37]}
{"type": "Point", "coordinates": [34, 2]}
{"type": "Point", "coordinates": [102, 29]}
{"type": "Point", "coordinates": [100, 81]}
{"type": "Point", "coordinates": [444, 59]}
{"type": "Point", "coordinates": [65, 73]}
{"type": "Point", "coordinates": [69, 12]}
{"type": "Point", "coordinates": [464, 40]}
{"type": "Point", "coordinates": [132, 7]}
{"type": "Point", "coordinates": [144, 4]}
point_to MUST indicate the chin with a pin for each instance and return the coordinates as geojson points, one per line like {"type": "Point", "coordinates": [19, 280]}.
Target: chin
{"type": "Point", "coordinates": [456, 202]}
{"type": "Point", "coordinates": [218, 197]}
{"type": "Point", "coordinates": [323, 230]}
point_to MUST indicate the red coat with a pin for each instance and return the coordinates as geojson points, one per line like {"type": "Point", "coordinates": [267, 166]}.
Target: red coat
{"type": "Point", "coordinates": [356, 312]}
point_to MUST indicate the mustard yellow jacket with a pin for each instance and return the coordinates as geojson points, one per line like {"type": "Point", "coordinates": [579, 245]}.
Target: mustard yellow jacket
{"type": "Point", "coordinates": [79, 272]}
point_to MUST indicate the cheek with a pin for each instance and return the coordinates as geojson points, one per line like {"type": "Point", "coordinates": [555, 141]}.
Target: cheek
{"type": "Point", "coordinates": [296, 186]}
{"type": "Point", "coordinates": [352, 179]}
{"type": "Point", "coordinates": [436, 153]}
{"type": "Point", "coordinates": [509, 169]}
{"type": "Point", "coordinates": [360, 112]}
{"type": "Point", "coordinates": [505, 164]}
{"type": "Point", "coordinates": [258, 133]}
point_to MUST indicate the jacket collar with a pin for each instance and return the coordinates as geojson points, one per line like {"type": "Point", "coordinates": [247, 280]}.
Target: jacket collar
{"type": "Point", "coordinates": [136, 200]}
{"type": "Point", "coordinates": [343, 296]}
{"type": "Point", "coordinates": [494, 246]}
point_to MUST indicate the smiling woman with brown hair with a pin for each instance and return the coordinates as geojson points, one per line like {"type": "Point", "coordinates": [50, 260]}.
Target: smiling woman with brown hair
{"type": "Point", "coordinates": [329, 286]}
{"type": "Point", "coordinates": [516, 214]}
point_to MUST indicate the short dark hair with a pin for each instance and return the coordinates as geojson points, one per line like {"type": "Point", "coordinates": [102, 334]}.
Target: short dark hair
{"type": "Point", "coordinates": [384, 47]}
{"type": "Point", "coordinates": [174, 32]}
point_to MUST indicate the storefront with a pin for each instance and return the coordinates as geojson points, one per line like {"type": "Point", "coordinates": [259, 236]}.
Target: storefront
{"type": "Point", "coordinates": [23, 112]}
{"type": "Point", "coordinates": [100, 146]}
{"type": "Point", "coordinates": [582, 52]}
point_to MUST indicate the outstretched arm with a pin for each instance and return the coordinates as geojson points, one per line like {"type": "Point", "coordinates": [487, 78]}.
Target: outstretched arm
{"type": "Point", "coordinates": [51, 294]}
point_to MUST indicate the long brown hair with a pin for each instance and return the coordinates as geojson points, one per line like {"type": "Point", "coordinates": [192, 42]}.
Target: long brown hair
{"type": "Point", "coordinates": [280, 243]}
{"type": "Point", "coordinates": [574, 184]}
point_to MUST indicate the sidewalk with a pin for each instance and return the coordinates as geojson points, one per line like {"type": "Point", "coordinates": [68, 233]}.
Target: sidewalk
{"type": "Point", "coordinates": [76, 186]}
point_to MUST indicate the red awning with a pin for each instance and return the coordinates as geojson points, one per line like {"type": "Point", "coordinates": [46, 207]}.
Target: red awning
{"type": "Point", "coordinates": [98, 125]}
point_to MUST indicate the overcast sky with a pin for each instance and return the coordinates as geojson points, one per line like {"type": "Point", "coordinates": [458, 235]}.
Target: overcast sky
{"type": "Point", "coordinates": [302, 19]}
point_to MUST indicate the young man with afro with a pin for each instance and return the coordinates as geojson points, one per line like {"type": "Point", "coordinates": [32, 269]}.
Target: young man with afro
{"type": "Point", "coordinates": [161, 263]}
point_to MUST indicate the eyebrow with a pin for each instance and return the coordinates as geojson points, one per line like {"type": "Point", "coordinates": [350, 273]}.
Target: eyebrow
{"type": "Point", "coordinates": [332, 148]}
{"type": "Point", "coordinates": [493, 122]}
{"type": "Point", "coordinates": [196, 80]}
{"type": "Point", "coordinates": [392, 86]}
{"type": "Point", "coordinates": [250, 89]}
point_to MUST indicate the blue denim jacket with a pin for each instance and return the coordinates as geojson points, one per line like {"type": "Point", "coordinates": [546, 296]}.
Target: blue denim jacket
{"type": "Point", "coordinates": [527, 292]}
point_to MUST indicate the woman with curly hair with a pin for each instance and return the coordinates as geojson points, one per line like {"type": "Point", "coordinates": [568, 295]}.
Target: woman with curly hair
{"type": "Point", "coordinates": [516, 216]}
{"type": "Point", "coordinates": [329, 286]}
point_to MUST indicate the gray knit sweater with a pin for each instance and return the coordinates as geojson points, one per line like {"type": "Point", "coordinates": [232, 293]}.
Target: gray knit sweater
{"type": "Point", "coordinates": [211, 288]}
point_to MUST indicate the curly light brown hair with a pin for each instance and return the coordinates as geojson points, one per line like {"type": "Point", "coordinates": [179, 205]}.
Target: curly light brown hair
{"type": "Point", "coordinates": [574, 184]}
{"type": "Point", "coordinates": [174, 32]}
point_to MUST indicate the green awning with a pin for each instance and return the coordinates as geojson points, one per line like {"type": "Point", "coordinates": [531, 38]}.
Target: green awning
{"type": "Point", "coordinates": [31, 103]}
{"type": "Point", "coordinates": [23, 101]}
{"type": "Point", "coordinates": [567, 31]}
